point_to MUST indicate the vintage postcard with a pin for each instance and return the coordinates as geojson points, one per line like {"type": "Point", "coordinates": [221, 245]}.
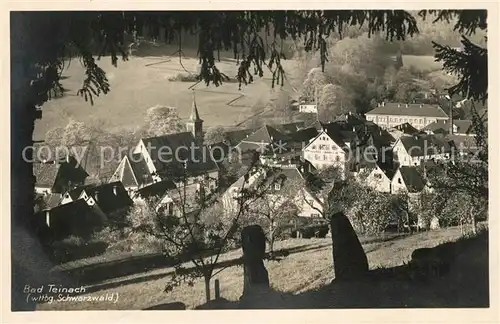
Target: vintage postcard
{"type": "Point", "coordinates": [251, 159]}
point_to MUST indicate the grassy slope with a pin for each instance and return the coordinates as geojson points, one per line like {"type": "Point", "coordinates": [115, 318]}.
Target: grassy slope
{"type": "Point", "coordinates": [136, 87]}
{"type": "Point", "coordinates": [304, 271]}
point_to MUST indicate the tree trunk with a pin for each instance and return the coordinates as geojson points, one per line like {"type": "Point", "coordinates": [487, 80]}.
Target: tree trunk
{"type": "Point", "coordinates": [271, 239]}
{"type": "Point", "coordinates": [207, 288]}
{"type": "Point", "coordinates": [473, 221]}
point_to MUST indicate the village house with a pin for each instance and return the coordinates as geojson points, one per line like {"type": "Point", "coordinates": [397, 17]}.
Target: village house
{"type": "Point", "coordinates": [412, 150]}
{"type": "Point", "coordinates": [277, 184]}
{"type": "Point", "coordinates": [379, 176]}
{"type": "Point", "coordinates": [76, 218]}
{"type": "Point", "coordinates": [181, 157]}
{"type": "Point", "coordinates": [342, 144]}
{"type": "Point", "coordinates": [408, 179]}
{"type": "Point", "coordinates": [58, 176]}
{"type": "Point", "coordinates": [464, 145]}
{"type": "Point", "coordinates": [181, 201]}
{"type": "Point", "coordinates": [111, 198]}
{"type": "Point", "coordinates": [327, 149]}
{"type": "Point", "coordinates": [418, 115]}
{"type": "Point", "coordinates": [269, 143]}
{"type": "Point", "coordinates": [309, 108]}
{"type": "Point", "coordinates": [288, 185]}
{"type": "Point", "coordinates": [460, 127]}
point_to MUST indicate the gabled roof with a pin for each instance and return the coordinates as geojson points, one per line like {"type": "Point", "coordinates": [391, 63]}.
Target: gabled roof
{"type": "Point", "coordinates": [303, 135]}
{"type": "Point", "coordinates": [286, 177]}
{"type": "Point", "coordinates": [425, 144]}
{"type": "Point", "coordinates": [290, 127]}
{"type": "Point", "coordinates": [412, 178]}
{"type": "Point", "coordinates": [174, 146]}
{"type": "Point", "coordinates": [266, 134]}
{"type": "Point", "coordinates": [402, 109]}
{"type": "Point", "coordinates": [157, 189]}
{"type": "Point", "coordinates": [139, 168]}
{"type": "Point", "coordinates": [387, 168]}
{"type": "Point", "coordinates": [106, 199]}
{"type": "Point", "coordinates": [442, 126]}
{"type": "Point", "coordinates": [407, 128]}
{"type": "Point", "coordinates": [76, 192]}
{"type": "Point", "coordinates": [234, 137]}
{"type": "Point", "coordinates": [463, 143]}
{"type": "Point", "coordinates": [381, 137]}
{"type": "Point", "coordinates": [52, 200]}
{"type": "Point", "coordinates": [75, 218]}
{"type": "Point", "coordinates": [47, 173]}
{"type": "Point", "coordinates": [335, 132]}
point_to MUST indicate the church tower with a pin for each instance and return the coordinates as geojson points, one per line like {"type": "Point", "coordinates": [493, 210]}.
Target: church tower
{"type": "Point", "coordinates": [195, 123]}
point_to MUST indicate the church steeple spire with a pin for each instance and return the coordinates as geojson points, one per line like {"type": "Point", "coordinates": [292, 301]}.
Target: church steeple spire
{"type": "Point", "coordinates": [195, 123]}
{"type": "Point", "coordinates": [195, 116]}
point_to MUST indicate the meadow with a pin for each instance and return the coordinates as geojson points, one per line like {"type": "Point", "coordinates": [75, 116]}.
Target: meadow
{"type": "Point", "coordinates": [142, 82]}
{"type": "Point", "coordinates": [305, 274]}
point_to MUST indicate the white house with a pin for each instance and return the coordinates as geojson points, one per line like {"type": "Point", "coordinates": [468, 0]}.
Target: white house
{"type": "Point", "coordinates": [418, 115]}
{"type": "Point", "coordinates": [327, 149]}
{"type": "Point", "coordinates": [379, 177]}
{"type": "Point", "coordinates": [308, 108]}
{"type": "Point", "coordinates": [411, 150]}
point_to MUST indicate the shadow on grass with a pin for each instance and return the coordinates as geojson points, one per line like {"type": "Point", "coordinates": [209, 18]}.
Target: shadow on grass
{"type": "Point", "coordinates": [465, 286]}
{"type": "Point", "coordinates": [94, 274]}
{"type": "Point", "coordinates": [277, 256]}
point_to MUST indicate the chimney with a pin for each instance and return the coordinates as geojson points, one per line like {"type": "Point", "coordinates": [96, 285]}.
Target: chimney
{"type": "Point", "coordinates": [383, 103]}
{"type": "Point", "coordinates": [421, 106]}
{"type": "Point", "coordinates": [399, 105]}
{"type": "Point", "coordinates": [115, 190]}
{"type": "Point", "coordinates": [406, 105]}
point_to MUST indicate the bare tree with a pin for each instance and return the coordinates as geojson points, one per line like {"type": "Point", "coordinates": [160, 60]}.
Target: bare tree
{"type": "Point", "coordinates": [275, 211]}
{"type": "Point", "coordinates": [195, 227]}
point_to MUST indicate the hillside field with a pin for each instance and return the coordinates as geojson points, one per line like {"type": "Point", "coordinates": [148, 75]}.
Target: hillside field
{"type": "Point", "coordinates": [138, 84]}
{"type": "Point", "coordinates": [302, 278]}
{"type": "Point", "coordinates": [422, 62]}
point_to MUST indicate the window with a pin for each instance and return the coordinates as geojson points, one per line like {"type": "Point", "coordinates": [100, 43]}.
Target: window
{"type": "Point", "coordinates": [378, 176]}
{"type": "Point", "coordinates": [313, 147]}
{"type": "Point", "coordinates": [277, 186]}
{"type": "Point", "coordinates": [337, 158]}
{"type": "Point", "coordinates": [399, 180]}
{"type": "Point", "coordinates": [333, 148]}
{"type": "Point", "coordinates": [325, 157]}
{"type": "Point", "coordinates": [315, 215]}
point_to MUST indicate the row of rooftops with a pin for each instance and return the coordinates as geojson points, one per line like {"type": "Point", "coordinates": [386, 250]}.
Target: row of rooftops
{"type": "Point", "coordinates": [408, 109]}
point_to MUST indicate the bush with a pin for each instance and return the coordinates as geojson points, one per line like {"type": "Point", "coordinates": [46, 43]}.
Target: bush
{"type": "Point", "coordinates": [184, 77]}
{"type": "Point", "coordinates": [74, 248]}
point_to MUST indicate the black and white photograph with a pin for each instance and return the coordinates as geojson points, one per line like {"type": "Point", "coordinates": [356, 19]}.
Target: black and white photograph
{"type": "Point", "coordinates": [249, 159]}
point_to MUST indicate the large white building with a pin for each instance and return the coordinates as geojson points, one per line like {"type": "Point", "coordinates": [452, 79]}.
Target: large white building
{"type": "Point", "coordinates": [418, 115]}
